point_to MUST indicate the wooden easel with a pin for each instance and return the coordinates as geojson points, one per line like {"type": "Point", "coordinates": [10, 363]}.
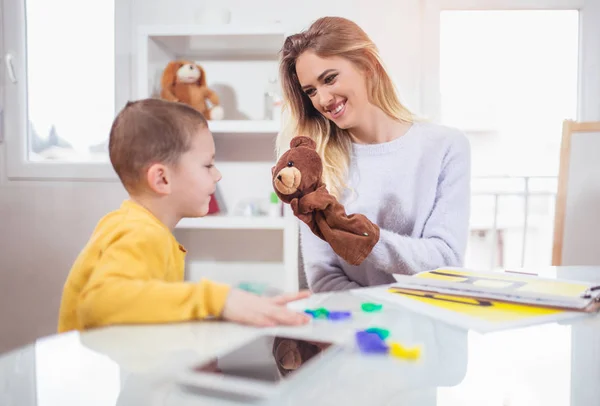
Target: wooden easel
{"type": "Point", "coordinates": [571, 129]}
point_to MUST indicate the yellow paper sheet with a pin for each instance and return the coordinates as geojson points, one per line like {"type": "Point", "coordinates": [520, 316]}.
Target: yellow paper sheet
{"type": "Point", "coordinates": [481, 309]}
{"type": "Point", "coordinates": [510, 282]}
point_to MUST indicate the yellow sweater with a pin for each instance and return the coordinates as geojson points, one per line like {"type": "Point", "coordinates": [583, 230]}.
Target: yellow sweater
{"type": "Point", "coordinates": [131, 271]}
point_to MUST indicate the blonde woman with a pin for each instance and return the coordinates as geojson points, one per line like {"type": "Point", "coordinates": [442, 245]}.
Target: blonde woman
{"type": "Point", "coordinates": [411, 178]}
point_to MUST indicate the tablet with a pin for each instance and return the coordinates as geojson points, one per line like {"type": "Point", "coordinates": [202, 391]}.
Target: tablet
{"type": "Point", "coordinates": [258, 369]}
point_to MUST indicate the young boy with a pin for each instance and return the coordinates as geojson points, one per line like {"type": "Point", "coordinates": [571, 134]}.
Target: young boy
{"type": "Point", "coordinates": [131, 271]}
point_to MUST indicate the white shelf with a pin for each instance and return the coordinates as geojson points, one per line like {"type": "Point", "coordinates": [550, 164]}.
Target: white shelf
{"type": "Point", "coordinates": [233, 222]}
{"type": "Point", "coordinates": [224, 51]}
{"type": "Point", "coordinates": [244, 126]}
{"type": "Point", "coordinates": [217, 40]}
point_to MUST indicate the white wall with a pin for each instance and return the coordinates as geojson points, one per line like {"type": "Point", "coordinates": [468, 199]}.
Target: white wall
{"type": "Point", "coordinates": [43, 227]}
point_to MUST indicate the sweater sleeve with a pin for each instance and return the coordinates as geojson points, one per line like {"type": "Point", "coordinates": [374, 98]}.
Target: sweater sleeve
{"type": "Point", "coordinates": [128, 286]}
{"type": "Point", "coordinates": [445, 234]}
{"type": "Point", "coordinates": [321, 265]}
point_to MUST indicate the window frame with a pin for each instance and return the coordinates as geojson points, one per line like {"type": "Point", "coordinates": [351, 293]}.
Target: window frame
{"type": "Point", "coordinates": [15, 137]}
{"type": "Point", "coordinates": [588, 97]}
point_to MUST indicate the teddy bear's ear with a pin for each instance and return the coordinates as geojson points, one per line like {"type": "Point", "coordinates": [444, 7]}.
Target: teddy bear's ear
{"type": "Point", "coordinates": [202, 79]}
{"type": "Point", "coordinates": [302, 141]}
{"type": "Point", "coordinates": [170, 74]}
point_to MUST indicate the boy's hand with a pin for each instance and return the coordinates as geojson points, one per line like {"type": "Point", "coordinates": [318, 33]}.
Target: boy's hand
{"type": "Point", "coordinates": [247, 308]}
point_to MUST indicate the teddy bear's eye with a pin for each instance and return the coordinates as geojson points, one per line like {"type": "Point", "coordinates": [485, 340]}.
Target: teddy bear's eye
{"type": "Point", "coordinates": [290, 164]}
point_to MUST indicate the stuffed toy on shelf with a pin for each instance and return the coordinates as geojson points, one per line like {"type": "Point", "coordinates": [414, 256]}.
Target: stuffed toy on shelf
{"type": "Point", "coordinates": [297, 182]}
{"type": "Point", "coordinates": [185, 82]}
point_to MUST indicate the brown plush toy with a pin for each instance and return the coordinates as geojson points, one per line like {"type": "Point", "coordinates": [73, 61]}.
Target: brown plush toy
{"type": "Point", "coordinates": [297, 181]}
{"type": "Point", "coordinates": [185, 82]}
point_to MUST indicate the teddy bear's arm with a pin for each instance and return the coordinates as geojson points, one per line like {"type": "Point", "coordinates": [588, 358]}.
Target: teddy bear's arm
{"type": "Point", "coordinates": [305, 217]}
{"type": "Point", "coordinates": [320, 199]}
{"type": "Point", "coordinates": [212, 97]}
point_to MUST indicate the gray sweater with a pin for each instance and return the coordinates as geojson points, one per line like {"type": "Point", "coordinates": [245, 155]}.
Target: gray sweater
{"type": "Point", "coordinates": [416, 188]}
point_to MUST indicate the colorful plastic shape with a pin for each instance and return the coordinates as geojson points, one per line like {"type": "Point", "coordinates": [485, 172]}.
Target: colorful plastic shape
{"type": "Point", "coordinates": [381, 332]}
{"type": "Point", "coordinates": [371, 307]}
{"type": "Point", "coordinates": [399, 351]}
{"type": "Point", "coordinates": [339, 315]}
{"type": "Point", "coordinates": [320, 313]}
{"type": "Point", "coordinates": [371, 343]}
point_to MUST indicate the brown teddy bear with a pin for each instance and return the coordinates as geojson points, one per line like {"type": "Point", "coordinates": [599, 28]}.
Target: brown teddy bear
{"type": "Point", "coordinates": [297, 181]}
{"type": "Point", "coordinates": [185, 81]}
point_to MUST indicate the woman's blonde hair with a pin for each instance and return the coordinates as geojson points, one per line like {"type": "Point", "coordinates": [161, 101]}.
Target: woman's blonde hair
{"type": "Point", "coordinates": [327, 37]}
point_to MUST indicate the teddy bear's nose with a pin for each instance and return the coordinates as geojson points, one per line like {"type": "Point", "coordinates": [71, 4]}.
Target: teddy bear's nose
{"type": "Point", "coordinates": [279, 177]}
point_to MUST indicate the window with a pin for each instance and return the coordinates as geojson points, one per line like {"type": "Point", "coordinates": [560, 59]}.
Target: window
{"type": "Point", "coordinates": [510, 87]}
{"type": "Point", "coordinates": [70, 78]}
{"type": "Point", "coordinates": [61, 60]}
{"type": "Point", "coordinates": [508, 78]}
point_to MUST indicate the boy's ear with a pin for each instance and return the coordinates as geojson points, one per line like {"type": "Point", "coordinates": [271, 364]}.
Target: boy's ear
{"type": "Point", "coordinates": [158, 179]}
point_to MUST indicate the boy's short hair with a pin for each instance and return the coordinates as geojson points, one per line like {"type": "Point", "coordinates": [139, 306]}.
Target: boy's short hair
{"type": "Point", "coordinates": [149, 131]}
